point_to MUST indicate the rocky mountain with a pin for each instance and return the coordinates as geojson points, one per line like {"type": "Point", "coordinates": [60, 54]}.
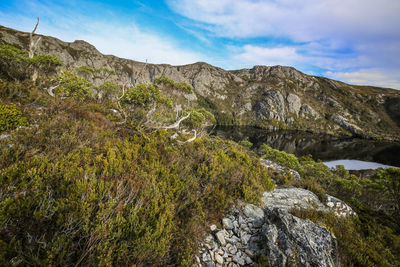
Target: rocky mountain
{"type": "Point", "coordinates": [271, 97]}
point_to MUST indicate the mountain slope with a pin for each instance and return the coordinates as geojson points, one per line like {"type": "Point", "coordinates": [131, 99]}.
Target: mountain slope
{"type": "Point", "coordinates": [274, 97]}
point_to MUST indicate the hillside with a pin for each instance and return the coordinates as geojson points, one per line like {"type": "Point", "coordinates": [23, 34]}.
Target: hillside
{"type": "Point", "coordinates": [274, 97]}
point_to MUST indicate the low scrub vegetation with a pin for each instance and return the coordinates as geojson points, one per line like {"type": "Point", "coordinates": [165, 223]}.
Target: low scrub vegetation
{"type": "Point", "coordinates": [79, 189]}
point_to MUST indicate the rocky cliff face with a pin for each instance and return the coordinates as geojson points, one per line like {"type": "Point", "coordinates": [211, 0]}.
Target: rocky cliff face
{"type": "Point", "coordinates": [274, 97]}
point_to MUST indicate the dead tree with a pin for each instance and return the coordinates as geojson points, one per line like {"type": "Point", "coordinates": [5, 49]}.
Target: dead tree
{"type": "Point", "coordinates": [119, 104]}
{"type": "Point", "coordinates": [32, 48]}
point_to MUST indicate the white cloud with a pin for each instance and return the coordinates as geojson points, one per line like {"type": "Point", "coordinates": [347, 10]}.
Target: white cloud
{"type": "Point", "coordinates": [126, 40]}
{"type": "Point", "coordinates": [376, 77]}
{"type": "Point", "coordinates": [333, 35]}
{"type": "Point", "coordinates": [256, 55]}
{"type": "Point", "coordinates": [301, 20]}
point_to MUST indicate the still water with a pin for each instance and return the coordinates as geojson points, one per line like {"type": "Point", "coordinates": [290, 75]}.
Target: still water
{"type": "Point", "coordinates": [353, 153]}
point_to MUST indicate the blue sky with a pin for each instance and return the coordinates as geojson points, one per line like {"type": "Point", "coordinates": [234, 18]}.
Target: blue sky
{"type": "Point", "coordinates": [357, 41]}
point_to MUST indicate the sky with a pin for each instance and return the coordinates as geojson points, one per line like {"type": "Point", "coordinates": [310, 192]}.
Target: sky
{"type": "Point", "coordinates": [356, 41]}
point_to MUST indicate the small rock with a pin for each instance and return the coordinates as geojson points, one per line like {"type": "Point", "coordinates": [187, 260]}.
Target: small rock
{"type": "Point", "coordinates": [206, 257]}
{"type": "Point", "coordinates": [197, 259]}
{"type": "Point", "coordinates": [228, 259]}
{"type": "Point", "coordinates": [212, 255]}
{"type": "Point", "coordinates": [220, 252]}
{"type": "Point", "coordinates": [248, 260]}
{"type": "Point", "coordinates": [213, 228]}
{"type": "Point", "coordinates": [219, 259]}
{"type": "Point", "coordinates": [252, 211]}
{"type": "Point", "coordinates": [238, 260]}
{"type": "Point", "coordinates": [249, 252]}
{"type": "Point", "coordinates": [232, 250]}
{"type": "Point", "coordinates": [210, 264]}
{"type": "Point", "coordinates": [245, 238]}
{"type": "Point", "coordinates": [221, 237]}
{"type": "Point", "coordinates": [227, 223]}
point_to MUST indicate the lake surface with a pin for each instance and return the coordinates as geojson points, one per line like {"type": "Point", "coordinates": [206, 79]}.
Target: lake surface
{"type": "Point", "coordinates": [324, 147]}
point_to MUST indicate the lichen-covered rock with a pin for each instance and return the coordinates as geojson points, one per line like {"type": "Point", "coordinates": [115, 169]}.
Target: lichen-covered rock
{"type": "Point", "coordinates": [280, 169]}
{"type": "Point", "coordinates": [289, 198]}
{"type": "Point", "coordinates": [285, 239]}
{"type": "Point", "coordinates": [339, 207]}
{"type": "Point", "coordinates": [291, 240]}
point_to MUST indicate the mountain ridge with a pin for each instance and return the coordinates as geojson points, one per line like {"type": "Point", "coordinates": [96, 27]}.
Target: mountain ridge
{"type": "Point", "coordinates": [271, 97]}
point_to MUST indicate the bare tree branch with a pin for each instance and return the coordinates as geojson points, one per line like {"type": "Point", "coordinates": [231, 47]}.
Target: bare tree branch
{"type": "Point", "coordinates": [50, 90]}
{"type": "Point", "coordinates": [189, 140]}
{"type": "Point", "coordinates": [176, 124]}
{"type": "Point", "coordinates": [32, 44]}
{"type": "Point", "coordinates": [32, 48]}
{"type": "Point", "coordinates": [119, 104]}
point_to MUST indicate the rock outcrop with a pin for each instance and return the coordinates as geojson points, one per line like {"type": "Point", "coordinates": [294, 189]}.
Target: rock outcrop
{"type": "Point", "coordinates": [272, 97]}
{"type": "Point", "coordinates": [250, 232]}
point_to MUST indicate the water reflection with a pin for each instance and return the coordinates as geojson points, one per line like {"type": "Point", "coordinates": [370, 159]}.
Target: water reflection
{"type": "Point", "coordinates": [324, 147]}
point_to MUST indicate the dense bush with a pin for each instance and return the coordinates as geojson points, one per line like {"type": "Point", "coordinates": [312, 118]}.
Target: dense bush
{"type": "Point", "coordinates": [72, 85]}
{"type": "Point", "coordinates": [172, 84]}
{"type": "Point", "coordinates": [10, 117]}
{"type": "Point", "coordinates": [74, 192]}
{"type": "Point", "coordinates": [143, 95]}
{"type": "Point", "coordinates": [385, 190]}
{"type": "Point", "coordinates": [16, 65]}
{"type": "Point", "coordinates": [280, 157]}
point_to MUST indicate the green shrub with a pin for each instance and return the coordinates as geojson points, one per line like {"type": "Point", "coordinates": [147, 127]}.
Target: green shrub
{"type": "Point", "coordinates": [385, 185]}
{"type": "Point", "coordinates": [16, 64]}
{"type": "Point", "coordinates": [172, 84]}
{"type": "Point", "coordinates": [72, 85]}
{"type": "Point", "coordinates": [143, 95]}
{"type": "Point", "coordinates": [11, 117]}
{"type": "Point", "coordinates": [246, 143]}
{"type": "Point", "coordinates": [79, 193]}
{"type": "Point", "coordinates": [280, 157]}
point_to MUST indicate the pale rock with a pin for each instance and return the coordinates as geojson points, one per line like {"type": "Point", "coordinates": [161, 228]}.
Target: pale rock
{"type": "Point", "coordinates": [227, 223]}
{"type": "Point", "coordinates": [253, 211]}
{"type": "Point", "coordinates": [219, 259]}
{"type": "Point", "coordinates": [221, 237]}
{"type": "Point", "coordinates": [213, 228]}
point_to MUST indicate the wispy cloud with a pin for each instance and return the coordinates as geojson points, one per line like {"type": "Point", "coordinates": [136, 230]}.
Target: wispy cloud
{"type": "Point", "coordinates": [376, 77]}
{"type": "Point", "coordinates": [110, 36]}
{"type": "Point", "coordinates": [331, 35]}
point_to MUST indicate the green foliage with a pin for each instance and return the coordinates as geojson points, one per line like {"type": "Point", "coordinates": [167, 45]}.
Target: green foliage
{"type": "Point", "coordinates": [46, 63]}
{"type": "Point", "coordinates": [11, 117]}
{"type": "Point", "coordinates": [13, 62]}
{"type": "Point", "coordinates": [72, 85]}
{"type": "Point", "coordinates": [281, 157]}
{"type": "Point", "coordinates": [199, 118]}
{"type": "Point", "coordinates": [85, 70]}
{"type": "Point", "coordinates": [16, 64]}
{"type": "Point", "coordinates": [77, 191]}
{"type": "Point", "coordinates": [385, 185]}
{"type": "Point", "coordinates": [172, 84]}
{"type": "Point", "coordinates": [143, 95]}
{"type": "Point", "coordinates": [88, 72]}
{"type": "Point", "coordinates": [110, 90]}
{"type": "Point", "coordinates": [246, 143]}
